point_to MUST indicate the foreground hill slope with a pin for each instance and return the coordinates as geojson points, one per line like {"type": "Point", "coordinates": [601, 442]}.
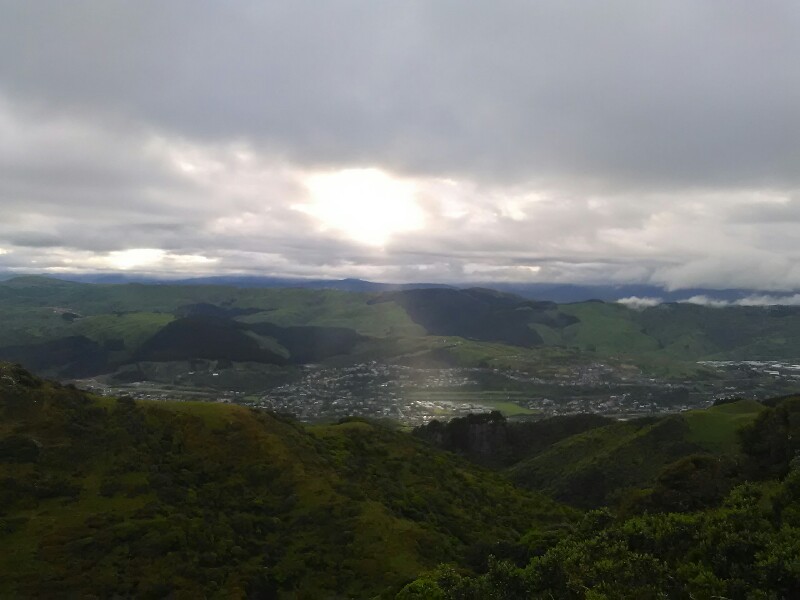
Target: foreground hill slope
{"type": "Point", "coordinates": [742, 545]}
{"type": "Point", "coordinates": [591, 469]}
{"type": "Point", "coordinates": [491, 440]}
{"type": "Point", "coordinates": [106, 498]}
{"type": "Point", "coordinates": [588, 460]}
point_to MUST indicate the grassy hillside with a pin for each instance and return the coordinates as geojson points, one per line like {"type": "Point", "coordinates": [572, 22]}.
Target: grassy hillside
{"type": "Point", "coordinates": [133, 320]}
{"type": "Point", "coordinates": [427, 327]}
{"type": "Point", "coordinates": [490, 439]}
{"type": "Point", "coordinates": [715, 429]}
{"type": "Point", "coordinates": [594, 468]}
{"type": "Point", "coordinates": [115, 498]}
{"type": "Point", "coordinates": [685, 331]}
{"type": "Point", "coordinates": [475, 314]}
{"type": "Point", "coordinates": [607, 328]}
{"type": "Point", "coordinates": [122, 331]}
{"type": "Point", "coordinates": [52, 297]}
{"type": "Point", "coordinates": [740, 543]}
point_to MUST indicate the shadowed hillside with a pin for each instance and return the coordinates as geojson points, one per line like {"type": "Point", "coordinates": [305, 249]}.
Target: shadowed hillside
{"type": "Point", "coordinates": [473, 314]}
{"type": "Point", "coordinates": [72, 356]}
{"type": "Point", "coordinates": [490, 439]}
{"type": "Point", "coordinates": [205, 337]}
{"type": "Point", "coordinates": [310, 344]}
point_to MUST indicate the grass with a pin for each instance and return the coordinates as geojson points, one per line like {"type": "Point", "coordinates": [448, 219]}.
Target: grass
{"type": "Point", "coordinates": [509, 409]}
{"type": "Point", "coordinates": [606, 328]}
{"type": "Point", "coordinates": [132, 328]}
{"type": "Point", "coordinates": [283, 306]}
{"type": "Point", "coordinates": [213, 414]}
{"type": "Point", "coordinates": [590, 466]}
{"type": "Point", "coordinates": [26, 324]}
{"type": "Point", "coordinates": [328, 308]}
{"type": "Point", "coordinates": [496, 400]}
{"type": "Point", "coordinates": [715, 428]}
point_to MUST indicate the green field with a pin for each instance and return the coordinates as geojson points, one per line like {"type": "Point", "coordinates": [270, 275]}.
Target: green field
{"type": "Point", "coordinates": [715, 428]}
{"type": "Point", "coordinates": [632, 453]}
{"type": "Point", "coordinates": [496, 400]}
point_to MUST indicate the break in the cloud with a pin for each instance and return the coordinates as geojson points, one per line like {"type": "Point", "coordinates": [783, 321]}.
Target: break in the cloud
{"type": "Point", "coordinates": [548, 141]}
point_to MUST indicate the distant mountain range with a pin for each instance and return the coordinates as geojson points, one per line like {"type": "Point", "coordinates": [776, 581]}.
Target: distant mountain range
{"type": "Point", "coordinates": [553, 292]}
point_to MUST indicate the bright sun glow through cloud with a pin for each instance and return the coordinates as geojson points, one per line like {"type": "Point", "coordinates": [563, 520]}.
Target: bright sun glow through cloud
{"type": "Point", "coordinates": [135, 257]}
{"type": "Point", "coordinates": [151, 257]}
{"type": "Point", "coordinates": [368, 205]}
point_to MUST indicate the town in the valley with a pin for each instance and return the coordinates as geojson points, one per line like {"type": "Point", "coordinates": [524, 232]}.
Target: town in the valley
{"type": "Point", "coordinates": [414, 396]}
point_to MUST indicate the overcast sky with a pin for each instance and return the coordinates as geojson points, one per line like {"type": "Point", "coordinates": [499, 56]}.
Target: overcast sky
{"type": "Point", "coordinates": [450, 140]}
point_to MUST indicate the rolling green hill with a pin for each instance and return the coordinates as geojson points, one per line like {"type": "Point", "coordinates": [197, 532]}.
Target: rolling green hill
{"type": "Point", "coordinates": [437, 327]}
{"type": "Point", "coordinates": [116, 498]}
{"type": "Point", "coordinates": [685, 331]}
{"type": "Point", "coordinates": [490, 439]}
{"type": "Point", "coordinates": [596, 467]}
{"type": "Point", "coordinates": [477, 314]}
{"type": "Point", "coordinates": [711, 539]}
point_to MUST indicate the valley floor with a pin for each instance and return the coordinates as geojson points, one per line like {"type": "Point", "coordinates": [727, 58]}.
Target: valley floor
{"type": "Point", "coordinates": [414, 396]}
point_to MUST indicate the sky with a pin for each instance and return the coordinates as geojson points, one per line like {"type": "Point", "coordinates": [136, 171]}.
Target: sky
{"type": "Point", "coordinates": [410, 140]}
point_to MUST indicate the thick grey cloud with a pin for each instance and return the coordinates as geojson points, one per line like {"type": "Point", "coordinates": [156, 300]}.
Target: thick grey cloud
{"type": "Point", "coordinates": [557, 140]}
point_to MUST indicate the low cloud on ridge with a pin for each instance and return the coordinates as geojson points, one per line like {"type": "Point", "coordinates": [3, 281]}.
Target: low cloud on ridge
{"type": "Point", "coordinates": [638, 303]}
{"type": "Point", "coordinates": [752, 300]}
